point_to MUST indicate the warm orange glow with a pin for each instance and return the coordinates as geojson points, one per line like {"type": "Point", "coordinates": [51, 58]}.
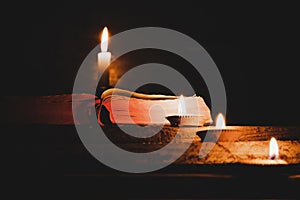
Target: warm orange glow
{"type": "Point", "coordinates": [273, 149]}
{"type": "Point", "coordinates": [104, 40]}
{"type": "Point", "coordinates": [220, 121]}
{"type": "Point", "coordinates": [181, 106]}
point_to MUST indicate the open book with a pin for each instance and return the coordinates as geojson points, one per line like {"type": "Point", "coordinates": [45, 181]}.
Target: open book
{"type": "Point", "coordinates": [126, 107]}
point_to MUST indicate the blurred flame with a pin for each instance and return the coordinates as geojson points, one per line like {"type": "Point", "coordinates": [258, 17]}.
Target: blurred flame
{"type": "Point", "coordinates": [181, 106]}
{"type": "Point", "coordinates": [104, 40]}
{"type": "Point", "coordinates": [273, 149]}
{"type": "Point", "coordinates": [220, 121]}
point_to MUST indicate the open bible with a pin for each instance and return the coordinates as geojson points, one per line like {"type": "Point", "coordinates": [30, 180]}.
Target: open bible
{"type": "Point", "coordinates": [126, 107]}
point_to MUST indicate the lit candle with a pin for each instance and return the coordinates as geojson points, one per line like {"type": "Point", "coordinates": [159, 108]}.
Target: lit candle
{"type": "Point", "coordinates": [104, 57]}
{"type": "Point", "coordinates": [185, 116]}
{"type": "Point", "coordinates": [220, 125]}
{"type": "Point", "coordinates": [220, 121]}
{"type": "Point", "coordinates": [273, 158]}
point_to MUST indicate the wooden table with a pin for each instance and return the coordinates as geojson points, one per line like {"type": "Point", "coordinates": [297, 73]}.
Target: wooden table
{"type": "Point", "coordinates": [46, 157]}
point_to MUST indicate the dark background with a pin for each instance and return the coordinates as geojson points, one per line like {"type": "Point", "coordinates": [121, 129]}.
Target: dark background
{"type": "Point", "coordinates": [254, 45]}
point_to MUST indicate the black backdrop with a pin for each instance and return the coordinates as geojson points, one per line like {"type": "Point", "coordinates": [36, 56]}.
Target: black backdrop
{"type": "Point", "coordinates": [255, 47]}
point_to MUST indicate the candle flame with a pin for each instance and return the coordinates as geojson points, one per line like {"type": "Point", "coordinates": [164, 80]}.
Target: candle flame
{"type": "Point", "coordinates": [104, 40]}
{"type": "Point", "coordinates": [273, 149]}
{"type": "Point", "coordinates": [181, 106]}
{"type": "Point", "coordinates": [220, 121]}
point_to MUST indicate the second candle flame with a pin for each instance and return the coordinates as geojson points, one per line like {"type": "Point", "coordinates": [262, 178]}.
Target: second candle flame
{"type": "Point", "coordinates": [220, 121]}
{"type": "Point", "coordinates": [273, 149]}
{"type": "Point", "coordinates": [181, 106]}
{"type": "Point", "coordinates": [104, 40]}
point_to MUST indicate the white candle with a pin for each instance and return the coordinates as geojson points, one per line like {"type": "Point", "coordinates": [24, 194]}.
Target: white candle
{"type": "Point", "coordinates": [104, 57]}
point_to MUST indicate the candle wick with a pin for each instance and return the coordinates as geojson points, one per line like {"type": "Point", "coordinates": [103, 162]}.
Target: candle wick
{"type": "Point", "coordinates": [273, 157]}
